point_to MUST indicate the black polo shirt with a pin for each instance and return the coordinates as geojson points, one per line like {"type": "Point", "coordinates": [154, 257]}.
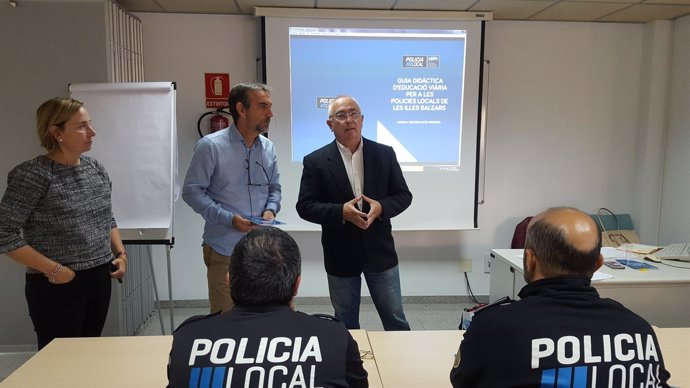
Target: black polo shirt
{"type": "Point", "coordinates": [265, 346]}
{"type": "Point", "coordinates": [560, 334]}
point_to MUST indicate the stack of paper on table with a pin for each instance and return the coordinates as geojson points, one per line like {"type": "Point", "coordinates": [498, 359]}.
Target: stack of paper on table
{"type": "Point", "coordinates": [640, 249]}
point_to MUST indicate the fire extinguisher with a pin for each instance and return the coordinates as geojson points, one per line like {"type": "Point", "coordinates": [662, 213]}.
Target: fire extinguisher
{"type": "Point", "coordinates": [216, 122]}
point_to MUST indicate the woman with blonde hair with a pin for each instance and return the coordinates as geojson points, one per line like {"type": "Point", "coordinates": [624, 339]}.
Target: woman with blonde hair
{"type": "Point", "coordinates": [56, 219]}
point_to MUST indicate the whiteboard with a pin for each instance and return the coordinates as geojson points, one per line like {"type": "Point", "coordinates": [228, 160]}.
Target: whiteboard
{"type": "Point", "coordinates": [136, 141]}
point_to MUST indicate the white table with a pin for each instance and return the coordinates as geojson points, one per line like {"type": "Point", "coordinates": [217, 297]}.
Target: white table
{"type": "Point", "coordinates": [675, 347]}
{"type": "Point", "coordinates": [104, 362]}
{"type": "Point", "coordinates": [401, 359]}
{"type": "Point", "coordinates": [367, 355]}
{"type": "Point", "coordinates": [116, 362]}
{"type": "Point", "coordinates": [418, 359]}
{"type": "Point", "coordinates": [661, 296]}
{"type": "Point", "coordinates": [415, 359]}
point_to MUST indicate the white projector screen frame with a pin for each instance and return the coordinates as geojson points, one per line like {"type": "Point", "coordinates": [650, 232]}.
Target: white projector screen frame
{"type": "Point", "coordinates": [444, 192]}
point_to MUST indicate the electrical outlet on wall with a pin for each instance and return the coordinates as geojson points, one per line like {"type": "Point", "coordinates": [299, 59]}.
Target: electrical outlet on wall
{"type": "Point", "coordinates": [465, 265]}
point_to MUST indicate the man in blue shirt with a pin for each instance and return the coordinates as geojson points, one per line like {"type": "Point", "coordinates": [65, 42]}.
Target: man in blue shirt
{"type": "Point", "coordinates": [233, 175]}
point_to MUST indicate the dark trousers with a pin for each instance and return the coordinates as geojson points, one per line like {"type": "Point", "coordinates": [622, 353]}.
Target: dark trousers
{"type": "Point", "coordinates": [74, 309]}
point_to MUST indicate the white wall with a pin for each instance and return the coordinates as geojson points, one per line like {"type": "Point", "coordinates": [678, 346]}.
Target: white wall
{"type": "Point", "coordinates": [651, 123]}
{"type": "Point", "coordinates": [43, 47]}
{"type": "Point", "coordinates": [562, 130]}
{"type": "Point", "coordinates": [675, 212]}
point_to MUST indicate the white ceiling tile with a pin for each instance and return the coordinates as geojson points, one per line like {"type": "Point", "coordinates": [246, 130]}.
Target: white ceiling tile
{"type": "Point", "coordinates": [248, 5]}
{"type": "Point", "coordinates": [648, 12]}
{"type": "Point", "coordinates": [604, 1]}
{"type": "Point", "coordinates": [355, 4]}
{"type": "Point", "coordinates": [141, 5]}
{"type": "Point", "coordinates": [200, 6]}
{"type": "Point", "coordinates": [512, 9]}
{"type": "Point", "coordinates": [578, 11]}
{"type": "Point", "coordinates": [687, 2]}
{"type": "Point", "coordinates": [635, 11]}
{"type": "Point", "coordinates": [436, 5]}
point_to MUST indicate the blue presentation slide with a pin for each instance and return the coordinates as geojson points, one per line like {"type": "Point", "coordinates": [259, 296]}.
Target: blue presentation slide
{"type": "Point", "coordinates": [409, 84]}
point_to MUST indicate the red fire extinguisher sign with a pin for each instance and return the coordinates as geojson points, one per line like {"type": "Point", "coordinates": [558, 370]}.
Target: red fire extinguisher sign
{"type": "Point", "coordinates": [217, 89]}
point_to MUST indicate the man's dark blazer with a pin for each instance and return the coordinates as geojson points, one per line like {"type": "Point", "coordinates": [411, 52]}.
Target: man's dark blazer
{"type": "Point", "coordinates": [324, 189]}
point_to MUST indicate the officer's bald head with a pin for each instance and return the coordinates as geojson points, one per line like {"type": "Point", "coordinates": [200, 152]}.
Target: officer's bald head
{"type": "Point", "coordinates": [565, 241]}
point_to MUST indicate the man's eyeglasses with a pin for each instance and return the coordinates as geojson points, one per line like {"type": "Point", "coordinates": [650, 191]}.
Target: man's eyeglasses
{"type": "Point", "coordinates": [249, 175]}
{"type": "Point", "coordinates": [342, 116]}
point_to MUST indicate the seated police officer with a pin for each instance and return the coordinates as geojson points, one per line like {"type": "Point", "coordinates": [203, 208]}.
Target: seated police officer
{"type": "Point", "coordinates": [561, 333]}
{"type": "Point", "coordinates": [262, 342]}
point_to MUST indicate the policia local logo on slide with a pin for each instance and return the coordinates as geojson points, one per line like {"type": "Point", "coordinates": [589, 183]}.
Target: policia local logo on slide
{"type": "Point", "coordinates": [624, 358]}
{"type": "Point", "coordinates": [277, 362]}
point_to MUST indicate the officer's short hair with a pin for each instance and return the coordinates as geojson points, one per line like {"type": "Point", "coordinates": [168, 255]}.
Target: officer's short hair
{"type": "Point", "coordinates": [558, 256]}
{"type": "Point", "coordinates": [265, 265]}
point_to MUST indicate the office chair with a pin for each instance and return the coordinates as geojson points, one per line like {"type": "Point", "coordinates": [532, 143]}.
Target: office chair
{"type": "Point", "coordinates": [520, 233]}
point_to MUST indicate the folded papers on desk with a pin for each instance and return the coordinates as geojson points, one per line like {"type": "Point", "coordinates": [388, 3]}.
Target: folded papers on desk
{"type": "Point", "coordinates": [601, 276]}
{"type": "Point", "coordinates": [641, 249]}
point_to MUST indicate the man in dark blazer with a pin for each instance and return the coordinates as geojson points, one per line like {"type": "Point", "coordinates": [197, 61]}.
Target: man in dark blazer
{"type": "Point", "coordinates": [352, 187]}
